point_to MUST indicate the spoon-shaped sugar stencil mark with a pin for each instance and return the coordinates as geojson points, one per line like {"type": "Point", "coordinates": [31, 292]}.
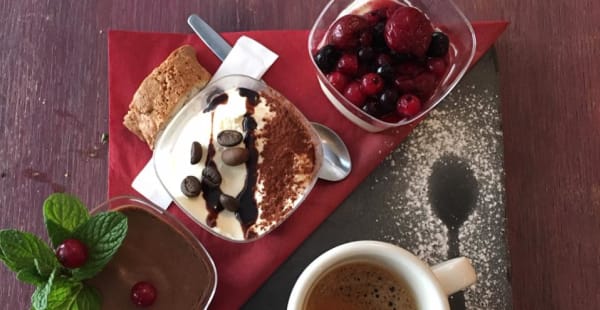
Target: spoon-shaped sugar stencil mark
{"type": "Point", "coordinates": [453, 192]}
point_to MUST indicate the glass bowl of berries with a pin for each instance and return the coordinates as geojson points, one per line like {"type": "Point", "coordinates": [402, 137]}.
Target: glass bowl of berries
{"type": "Point", "coordinates": [384, 63]}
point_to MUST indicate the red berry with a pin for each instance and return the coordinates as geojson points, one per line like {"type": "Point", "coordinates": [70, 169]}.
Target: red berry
{"type": "Point", "coordinates": [72, 253]}
{"type": "Point", "coordinates": [425, 84]}
{"type": "Point", "coordinates": [409, 69]}
{"type": "Point", "coordinates": [338, 80]}
{"type": "Point", "coordinates": [408, 31]}
{"type": "Point", "coordinates": [389, 11]}
{"type": "Point", "coordinates": [345, 32]}
{"type": "Point", "coordinates": [372, 17]}
{"type": "Point", "coordinates": [408, 105]}
{"type": "Point", "coordinates": [437, 66]}
{"type": "Point", "coordinates": [404, 84]}
{"type": "Point", "coordinates": [354, 94]}
{"type": "Point", "coordinates": [366, 38]}
{"type": "Point", "coordinates": [348, 64]}
{"type": "Point", "coordinates": [143, 294]}
{"type": "Point", "coordinates": [371, 84]}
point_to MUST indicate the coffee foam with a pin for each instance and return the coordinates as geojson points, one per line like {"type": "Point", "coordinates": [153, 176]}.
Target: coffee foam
{"type": "Point", "coordinates": [360, 285]}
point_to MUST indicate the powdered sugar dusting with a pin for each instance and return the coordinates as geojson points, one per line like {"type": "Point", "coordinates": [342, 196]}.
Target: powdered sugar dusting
{"type": "Point", "coordinates": [466, 125]}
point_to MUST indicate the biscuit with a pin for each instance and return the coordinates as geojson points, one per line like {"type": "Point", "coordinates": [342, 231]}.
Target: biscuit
{"type": "Point", "coordinates": [164, 90]}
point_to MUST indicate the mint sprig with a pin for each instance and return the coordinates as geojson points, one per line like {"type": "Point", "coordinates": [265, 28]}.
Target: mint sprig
{"type": "Point", "coordinates": [34, 261]}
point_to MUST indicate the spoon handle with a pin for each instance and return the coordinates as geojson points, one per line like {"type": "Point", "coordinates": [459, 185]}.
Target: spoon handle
{"type": "Point", "coordinates": [209, 36]}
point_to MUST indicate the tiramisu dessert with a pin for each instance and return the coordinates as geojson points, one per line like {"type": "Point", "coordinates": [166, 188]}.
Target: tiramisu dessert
{"type": "Point", "coordinates": [239, 158]}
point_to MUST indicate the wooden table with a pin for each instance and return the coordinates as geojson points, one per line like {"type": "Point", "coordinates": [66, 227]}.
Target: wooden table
{"type": "Point", "coordinates": [53, 110]}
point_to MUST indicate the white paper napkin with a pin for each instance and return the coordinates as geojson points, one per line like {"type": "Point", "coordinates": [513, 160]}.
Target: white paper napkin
{"type": "Point", "coordinates": [247, 57]}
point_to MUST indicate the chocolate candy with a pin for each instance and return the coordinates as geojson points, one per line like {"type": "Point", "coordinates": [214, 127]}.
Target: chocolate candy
{"type": "Point", "coordinates": [235, 156]}
{"type": "Point", "coordinates": [229, 138]}
{"type": "Point", "coordinates": [211, 176]}
{"type": "Point", "coordinates": [190, 186]}
{"type": "Point", "coordinates": [229, 202]}
{"type": "Point", "coordinates": [196, 154]}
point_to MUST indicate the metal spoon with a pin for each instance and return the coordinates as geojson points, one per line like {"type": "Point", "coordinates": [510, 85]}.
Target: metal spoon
{"type": "Point", "coordinates": [336, 158]}
{"type": "Point", "coordinates": [453, 192]}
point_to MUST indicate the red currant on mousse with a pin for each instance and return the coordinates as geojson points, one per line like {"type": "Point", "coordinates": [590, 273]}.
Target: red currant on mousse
{"type": "Point", "coordinates": [143, 294]}
{"type": "Point", "coordinates": [72, 253]}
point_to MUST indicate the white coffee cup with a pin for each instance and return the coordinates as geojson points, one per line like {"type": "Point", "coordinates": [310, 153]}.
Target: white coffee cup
{"type": "Point", "coordinates": [430, 286]}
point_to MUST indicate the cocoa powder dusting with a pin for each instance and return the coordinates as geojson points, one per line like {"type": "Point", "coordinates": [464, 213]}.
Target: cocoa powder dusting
{"type": "Point", "coordinates": [288, 160]}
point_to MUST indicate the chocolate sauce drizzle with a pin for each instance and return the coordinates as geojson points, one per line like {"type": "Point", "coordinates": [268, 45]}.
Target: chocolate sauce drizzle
{"type": "Point", "coordinates": [215, 101]}
{"type": "Point", "coordinates": [248, 211]}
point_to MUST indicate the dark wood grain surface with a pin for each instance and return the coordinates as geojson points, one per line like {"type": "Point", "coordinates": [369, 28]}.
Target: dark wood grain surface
{"type": "Point", "coordinates": [53, 110]}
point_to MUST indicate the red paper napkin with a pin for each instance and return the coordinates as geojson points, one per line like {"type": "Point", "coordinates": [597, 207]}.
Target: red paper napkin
{"type": "Point", "coordinates": [242, 268]}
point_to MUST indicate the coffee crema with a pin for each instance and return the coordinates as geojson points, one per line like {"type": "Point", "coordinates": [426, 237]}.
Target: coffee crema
{"type": "Point", "coordinates": [359, 286]}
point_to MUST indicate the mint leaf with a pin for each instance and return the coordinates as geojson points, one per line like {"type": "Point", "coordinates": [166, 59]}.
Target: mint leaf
{"type": "Point", "coordinates": [31, 276]}
{"type": "Point", "coordinates": [63, 214]}
{"type": "Point", "coordinates": [21, 249]}
{"type": "Point", "coordinates": [70, 295]}
{"type": "Point", "coordinates": [103, 234]}
{"type": "Point", "coordinates": [39, 299]}
{"type": "Point", "coordinates": [88, 299]}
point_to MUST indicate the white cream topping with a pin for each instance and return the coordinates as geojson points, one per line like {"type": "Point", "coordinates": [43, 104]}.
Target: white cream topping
{"type": "Point", "coordinates": [226, 116]}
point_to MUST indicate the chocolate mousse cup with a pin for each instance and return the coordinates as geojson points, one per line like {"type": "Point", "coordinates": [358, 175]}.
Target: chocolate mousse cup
{"type": "Point", "coordinates": [159, 250]}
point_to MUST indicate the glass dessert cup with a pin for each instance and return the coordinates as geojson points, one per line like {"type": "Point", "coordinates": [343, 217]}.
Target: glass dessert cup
{"type": "Point", "coordinates": [175, 140]}
{"type": "Point", "coordinates": [160, 250]}
{"type": "Point", "coordinates": [444, 15]}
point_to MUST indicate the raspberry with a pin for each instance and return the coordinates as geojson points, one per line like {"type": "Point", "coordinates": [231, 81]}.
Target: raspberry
{"type": "Point", "coordinates": [348, 64]}
{"type": "Point", "coordinates": [408, 31]}
{"type": "Point", "coordinates": [371, 84]}
{"type": "Point", "coordinates": [354, 94]}
{"type": "Point", "coordinates": [72, 253]}
{"type": "Point", "coordinates": [345, 32]}
{"type": "Point", "coordinates": [408, 105]}
{"type": "Point", "coordinates": [338, 80]}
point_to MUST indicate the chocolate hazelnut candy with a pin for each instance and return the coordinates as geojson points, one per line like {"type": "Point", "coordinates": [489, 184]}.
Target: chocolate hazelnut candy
{"type": "Point", "coordinates": [229, 203]}
{"type": "Point", "coordinates": [190, 186]}
{"type": "Point", "coordinates": [196, 153]}
{"type": "Point", "coordinates": [229, 138]}
{"type": "Point", "coordinates": [235, 156]}
{"type": "Point", "coordinates": [211, 176]}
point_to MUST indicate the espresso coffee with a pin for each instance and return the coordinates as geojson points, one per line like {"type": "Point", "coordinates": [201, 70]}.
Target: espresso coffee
{"type": "Point", "coordinates": [360, 286]}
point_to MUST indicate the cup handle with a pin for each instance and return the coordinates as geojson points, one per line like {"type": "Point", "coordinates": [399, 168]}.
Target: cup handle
{"type": "Point", "coordinates": [455, 274]}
